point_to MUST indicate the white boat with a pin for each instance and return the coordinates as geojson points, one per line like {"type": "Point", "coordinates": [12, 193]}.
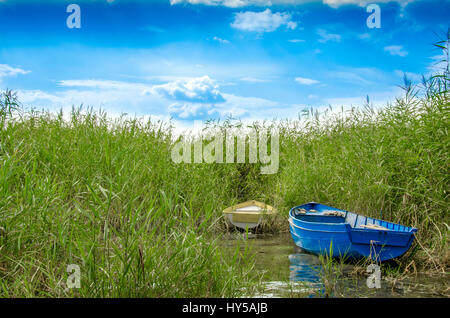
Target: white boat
{"type": "Point", "coordinates": [249, 214]}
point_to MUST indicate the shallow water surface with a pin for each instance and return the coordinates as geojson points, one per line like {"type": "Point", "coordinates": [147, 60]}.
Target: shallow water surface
{"type": "Point", "coordinates": [290, 272]}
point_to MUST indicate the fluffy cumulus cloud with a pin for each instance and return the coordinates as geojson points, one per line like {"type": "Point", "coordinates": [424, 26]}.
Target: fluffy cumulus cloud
{"type": "Point", "coordinates": [195, 98]}
{"type": "Point", "coordinates": [396, 50]}
{"type": "Point", "coordinates": [194, 90]}
{"type": "Point", "coordinates": [264, 21]}
{"type": "Point", "coordinates": [234, 106]}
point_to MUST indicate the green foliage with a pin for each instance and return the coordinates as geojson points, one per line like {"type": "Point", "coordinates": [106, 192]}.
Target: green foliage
{"type": "Point", "coordinates": [104, 194]}
{"type": "Point", "coordinates": [8, 103]}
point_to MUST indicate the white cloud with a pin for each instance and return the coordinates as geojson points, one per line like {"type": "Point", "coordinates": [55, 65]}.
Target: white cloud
{"type": "Point", "coordinates": [362, 3]}
{"type": "Point", "coordinates": [221, 41]}
{"type": "Point", "coordinates": [410, 75]}
{"type": "Point", "coordinates": [248, 106]}
{"type": "Point", "coordinates": [32, 97]}
{"type": "Point", "coordinates": [396, 50]}
{"type": "Point", "coordinates": [377, 99]}
{"type": "Point", "coordinates": [195, 98]}
{"type": "Point", "coordinates": [227, 3]}
{"type": "Point", "coordinates": [6, 70]}
{"type": "Point", "coordinates": [350, 77]}
{"type": "Point", "coordinates": [359, 75]}
{"type": "Point", "coordinates": [306, 81]}
{"type": "Point", "coordinates": [267, 3]}
{"type": "Point", "coordinates": [235, 106]}
{"type": "Point", "coordinates": [325, 36]}
{"type": "Point", "coordinates": [115, 100]}
{"type": "Point", "coordinates": [264, 21]}
{"type": "Point", "coordinates": [296, 41]}
{"type": "Point", "coordinates": [104, 84]}
{"type": "Point", "coordinates": [250, 79]}
{"type": "Point", "coordinates": [364, 36]}
{"type": "Point", "coordinates": [439, 64]}
{"type": "Point", "coordinates": [115, 96]}
{"type": "Point", "coordinates": [192, 111]}
{"type": "Point", "coordinates": [196, 90]}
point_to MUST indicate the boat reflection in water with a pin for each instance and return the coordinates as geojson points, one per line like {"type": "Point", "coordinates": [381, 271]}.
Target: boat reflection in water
{"type": "Point", "coordinates": [304, 268]}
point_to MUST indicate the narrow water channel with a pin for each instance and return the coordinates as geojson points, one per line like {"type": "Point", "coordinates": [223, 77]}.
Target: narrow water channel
{"type": "Point", "coordinates": [290, 272]}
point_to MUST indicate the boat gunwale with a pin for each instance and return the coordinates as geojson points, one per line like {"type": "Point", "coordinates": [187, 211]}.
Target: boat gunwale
{"type": "Point", "coordinates": [294, 217]}
{"type": "Point", "coordinates": [265, 208]}
{"type": "Point", "coordinates": [387, 243]}
{"type": "Point", "coordinates": [323, 231]}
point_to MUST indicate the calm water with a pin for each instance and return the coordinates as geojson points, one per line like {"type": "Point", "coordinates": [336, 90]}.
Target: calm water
{"type": "Point", "coordinates": [290, 272]}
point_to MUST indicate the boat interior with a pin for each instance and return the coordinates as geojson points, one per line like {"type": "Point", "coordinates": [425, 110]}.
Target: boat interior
{"type": "Point", "coordinates": [320, 213]}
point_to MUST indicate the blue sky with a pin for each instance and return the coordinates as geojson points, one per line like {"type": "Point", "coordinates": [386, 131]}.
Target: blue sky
{"type": "Point", "coordinates": [200, 59]}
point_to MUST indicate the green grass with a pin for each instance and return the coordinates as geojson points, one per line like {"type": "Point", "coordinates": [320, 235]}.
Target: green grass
{"type": "Point", "coordinates": [104, 193]}
{"type": "Point", "coordinates": [391, 164]}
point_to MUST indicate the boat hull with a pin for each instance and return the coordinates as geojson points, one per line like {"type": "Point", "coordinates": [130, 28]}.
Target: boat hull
{"type": "Point", "coordinates": [249, 214]}
{"type": "Point", "coordinates": [336, 236]}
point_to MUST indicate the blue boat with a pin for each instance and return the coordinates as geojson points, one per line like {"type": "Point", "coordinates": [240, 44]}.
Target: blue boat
{"type": "Point", "coordinates": [322, 229]}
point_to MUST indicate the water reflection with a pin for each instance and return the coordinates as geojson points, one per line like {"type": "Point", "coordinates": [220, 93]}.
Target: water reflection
{"type": "Point", "coordinates": [304, 268]}
{"type": "Point", "coordinates": [290, 272]}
